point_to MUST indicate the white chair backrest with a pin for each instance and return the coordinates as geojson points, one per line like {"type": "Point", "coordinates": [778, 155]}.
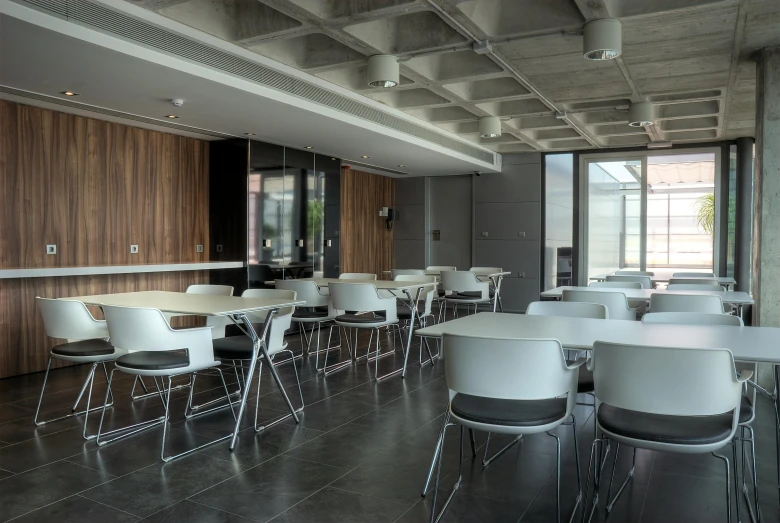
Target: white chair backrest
{"type": "Point", "coordinates": [464, 281]}
{"type": "Point", "coordinates": [519, 369]}
{"type": "Point", "coordinates": [568, 309]}
{"type": "Point", "coordinates": [213, 290]}
{"type": "Point", "coordinates": [362, 297]}
{"type": "Point", "coordinates": [70, 320]}
{"type": "Point", "coordinates": [440, 268]}
{"type": "Point", "coordinates": [692, 318]}
{"type": "Point", "coordinates": [394, 273]}
{"type": "Point", "coordinates": [144, 329]}
{"type": "Point", "coordinates": [694, 281]}
{"type": "Point", "coordinates": [307, 291]}
{"type": "Point", "coordinates": [616, 284]}
{"type": "Point", "coordinates": [615, 301]}
{"type": "Point", "coordinates": [282, 320]}
{"type": "Point", "coordinates": [484, 271]}
{"type": "Point", "coordinates": [665, 380]}
{"type": "Point", "coordinates": [668, 302]}
{"type": "Point", "coordinates": [357, 276]}
{"type": "Point", "coordinates": [646, 282]}
{"type": "Point", "coordinates": [427, 294]}
{"type": "Point", "coordinates": [694, 287]}
{"type": "Point", "coordinates": [693, 275]}
{"type": "Point", "coordinates": [635, 273]}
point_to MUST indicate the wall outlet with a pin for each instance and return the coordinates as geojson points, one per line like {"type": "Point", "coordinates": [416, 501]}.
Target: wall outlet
{"type": "Point", "coordinates": [485, 234]}
{"type": "Point", "coordinates": [219, 247]}
{"type": "Point", "coordinates": [134, 249]}
{"type": "Point", "coordinates": [521, 274]}
{"type": "Point", "coordinates": [521, 234]}
{"type": "Point", "coordinates": [300, 243]}
{"type": "Point", "coordinates": [199, 248]}
{"type": "Point", "coordinates": [51, 249]}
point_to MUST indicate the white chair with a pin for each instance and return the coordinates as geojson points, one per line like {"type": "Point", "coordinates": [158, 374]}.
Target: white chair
{"type": "Point", "coordinates": [615, 285]}
{"type": "Point", "coordinates": [495, 285]}
{"type": "Point", "coordinates": [666, 399]}
{"type": "Point", "coordinates": [525, 387]}
{"type": "Point", "coordinates": [423, 313]}
{"type": "Point", "coordinates": [375, 312]}
{"type": "Point", "coordinates": [86, 343]}
{"type": "Point", "coordinates": [694, 281]}
{"type": "Point", "coordinates": [436, 270]}
{"type": "Point", "coordinates": [317, 311]}
{"type": "Point", "coordinates": [668, 302]}
{"type": "Point", "coordinates": [645, 281]}
{"type": "Point", "coordinates": [357, 276]}
{"type": "Point", "coordinates": [694, 287]}
{"type": "Point", "coordinates": [568, 309]}
{"type": "Point", "coordinates": [159, 351]}
{"type": "Point", "coordinates": [218, 323]}
{"type": "Point", "coordinates": [406, 272]}
{"type": "Point", "coordinates": [635, 273]}
{"type": "Point", "coordinates": [440, 268]}
{"type": "Point", "coordinates": [693, 275]}
{"type": "Point", "coordinates": [747, 413]}
{"type": "Point", "coordinates": [464, 288]}
{"type": "Point", "coordinates": [615, 301]}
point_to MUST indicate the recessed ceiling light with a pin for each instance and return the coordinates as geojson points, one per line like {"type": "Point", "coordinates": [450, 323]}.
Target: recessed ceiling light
{"type": "Point", "coordinates": [307, 146]}
{"type": "Point", "coordinates": [364, 156]}
{"type": "Point", "coordinates": [250, 134]}
{"type": "Point", "coordinates": [69, 93]}
{"type": "Point", "coordinates": [382, 71]}
{"type": "Point", "coordinates": [401, 165]}
{"type": "Point", "coordinates": [171, 116]}
{"type": "Point", "coordinates": [602, 39]}
{"type": "Point", "coordinates": [489, 127]}
{"type": "Point", "coordinates": [641, 114]}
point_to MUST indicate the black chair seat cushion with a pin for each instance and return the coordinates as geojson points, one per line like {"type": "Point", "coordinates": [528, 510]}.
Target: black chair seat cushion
{"type": "Point", "coordinates": [585, 380]}
{"type": "Point", "coordinates": [464, 296]}
{"type": "Point", "coordinates": [403, 312]}
{"type": "Point", "coordinates": [233, 348]}
{"type": "Point", "coordinates": [84, 348]}
{"type": "Point", "coordinates": [359, 318]}
{"type": "Point", "coordinates": [233, 330]}
{"type": "Point", "coordinates": [154, 360]}
{"type": "Point", "coordinates": [472, 294]}
{"type": "Point", "coordinates": [662, 428]}
{"type": "Point", "coordinates": [745, 410]}
{"type": "Point", "coordinates": [513, 413]}
{"type": "Point", "coordinates": [310, 314]}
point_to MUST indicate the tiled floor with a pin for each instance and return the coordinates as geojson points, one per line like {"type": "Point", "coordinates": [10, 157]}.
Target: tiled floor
{"type": "Point", "coordinates": [360, 454]}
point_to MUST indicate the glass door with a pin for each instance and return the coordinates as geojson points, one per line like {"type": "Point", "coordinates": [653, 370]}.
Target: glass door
{"type": "Point", "coordinates": [651, 211]}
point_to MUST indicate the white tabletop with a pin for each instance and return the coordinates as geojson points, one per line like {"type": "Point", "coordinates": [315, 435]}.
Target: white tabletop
{"type": "Point", "coordinates": [387, 285]}
{"type": "Point", "coordinates": [735, 297]}
{"type": "Point", "coordinates": [749, 344]}
{"type": "Point", "coordinates": [183, 303]}
{"type": "Point", "coordinates": [722, 280]}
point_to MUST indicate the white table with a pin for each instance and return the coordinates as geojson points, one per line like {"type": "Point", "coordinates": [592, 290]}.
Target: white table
{"type": "Point", "coordinates": [722, 280]}
{"type": "Point", "coordinates": [233, 307]}
{"type": "Point", "coordinates": [407, 287]}
{"type": "Point", "coordinates": [495, 278]}
{"type": "Point", "coordinates": [737, 298]}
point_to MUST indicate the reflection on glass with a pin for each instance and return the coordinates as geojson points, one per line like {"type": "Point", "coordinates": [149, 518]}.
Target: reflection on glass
{"type": "Point", "coordinates": [266, 203]}
{"type": "Point", "coordinates": [559, 213]}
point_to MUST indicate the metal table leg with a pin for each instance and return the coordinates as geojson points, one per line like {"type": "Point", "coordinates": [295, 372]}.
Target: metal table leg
{"type": "Point", "coordinates": [413, 309]}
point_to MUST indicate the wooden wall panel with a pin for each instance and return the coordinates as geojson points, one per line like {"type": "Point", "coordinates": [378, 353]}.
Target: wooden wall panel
{"type": "Point", "coordinates": [366, 244]}
{"type": "Point", "coordinates": [92, 188]}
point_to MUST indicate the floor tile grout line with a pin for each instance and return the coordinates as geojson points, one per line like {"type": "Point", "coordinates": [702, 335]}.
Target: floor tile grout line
{"type": "Point", "coordinates": [109, 506]}
{"type": "Point", "coordinates": [644, 499]}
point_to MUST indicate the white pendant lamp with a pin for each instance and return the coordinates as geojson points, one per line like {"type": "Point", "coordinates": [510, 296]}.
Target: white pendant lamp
{"type": "Point", "coordinates": [383, 71]}
{"type": "Point", "coordinates": [489, 127]}
{"type": "Point", "coordinates": [641, 114]}
{"type": "Point", "coordinates": [602, 39]}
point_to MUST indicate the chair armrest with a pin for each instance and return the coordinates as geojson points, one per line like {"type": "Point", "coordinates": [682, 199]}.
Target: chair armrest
{"type": "Point", "coordinates": [579, 362]}
{"type": "Point", "coordinates": [744, 375]}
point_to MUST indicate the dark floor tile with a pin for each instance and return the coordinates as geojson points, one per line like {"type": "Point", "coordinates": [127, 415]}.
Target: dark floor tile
{"type": "Point", "coordinates": [37, 452]}
{"type": "Point", "coordinates": [331, 505]}
{"type": "Point", "coordinates": [190, 512]}
{"type": "Point", "coordinates": [156, 487]}
{"type": "Point", "coordinates": [10, 412]}
{"type": "Point", "coordinates": [37, 488]}
{"type": "Point", "coordinates": [76, 509]}
{"type": "Point", "coordinates": [264, 491]}
{"type": "Point", "coordinates": [466, 509]}
{"type": "Point", "coordinates": [691, 499]}
{"type": "Point", "coordinates": [5, 474]}
{"type": "Point", "coordinates": [332, 413]}
{"type": "Point", "coordinates": [704, 466]}
{"type": "Point", "coordinates": [24, 429]}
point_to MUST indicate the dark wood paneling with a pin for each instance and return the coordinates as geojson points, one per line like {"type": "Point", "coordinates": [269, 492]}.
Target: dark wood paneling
{"type": "Point", "coordinates": [366, 244]}
{"type": "Point", "coordinates": [92, 188]}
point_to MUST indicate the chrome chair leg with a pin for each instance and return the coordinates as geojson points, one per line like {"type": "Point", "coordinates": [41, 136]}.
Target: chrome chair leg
{"type": "Point", "coordinates": [728, 485]}
{"type": "Point", "coordinates": [284, 417]}
{"type": "Point", "coordinates": [558, 473]}
{"type": "Point", "coordinates": [756, 506]}
{"type": "Point", "coordinates": [487, 461]}
{"type": "Point", "coordinates": [594, 460]}
{"type": "Point", "coordinates": [473, 442]}
{"type": "Point", "coordinates": [434, 518]}
{"type": "Point", "coordinates": [436, 452]}
{"type": "Point", "coordinates": [611, 502]}
{"type": "Point", "coordinates": [129, 430]}
{"type": "Point", "coordinates": [736, 480]}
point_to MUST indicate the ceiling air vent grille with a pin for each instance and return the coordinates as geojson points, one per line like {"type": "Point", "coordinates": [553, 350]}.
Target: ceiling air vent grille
{"type": "Point", "coordinates": [138, 31]}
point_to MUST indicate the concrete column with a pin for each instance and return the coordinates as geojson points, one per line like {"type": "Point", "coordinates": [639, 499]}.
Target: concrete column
{"type": "Point", "coordinates": [743, 233]}
{"type": "Point", "coordinates": [766, 199]}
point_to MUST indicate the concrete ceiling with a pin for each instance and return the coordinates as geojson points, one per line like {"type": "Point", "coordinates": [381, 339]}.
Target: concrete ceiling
{"type": "Point", "coordinates": [690, 57]}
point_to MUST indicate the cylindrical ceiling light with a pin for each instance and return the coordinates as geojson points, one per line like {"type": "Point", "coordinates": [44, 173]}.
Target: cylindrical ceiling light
{"type": "Point", "coordinates": [383, 70]}
{"type": "Point", "coordinates": [602, 39]}
{"type": "Point", "coordinates": [641, 114]}
{"type": "Point", "coordinates": [489, 127]}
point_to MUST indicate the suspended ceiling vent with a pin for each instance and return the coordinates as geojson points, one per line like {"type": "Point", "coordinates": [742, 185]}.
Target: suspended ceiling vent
{"type": "Point", "coordinates": [109, 21]}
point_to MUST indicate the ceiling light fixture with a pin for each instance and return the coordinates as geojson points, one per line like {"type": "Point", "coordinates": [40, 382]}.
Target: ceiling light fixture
{"type": "Point", "coordinates": [171, 116]}
{"type": "Point", "coordinates": [401, 165]}
{"type": "Point", "coordinates": [332, 158]}
{"type": "Point", "coordinates": [489, 127]}
{"type": "Point", "coordinates": [602, 39]}
{"type": "Point", "coordinates": [69, 93]}
{"type": "Point", "coordinates": [307, 146]}
{"type": "Point", "coordinates": [641, 114]}
{"type": "Point", "coordinates": [383, 71]}
{"type": "Point", "coordinates": [364, 156]}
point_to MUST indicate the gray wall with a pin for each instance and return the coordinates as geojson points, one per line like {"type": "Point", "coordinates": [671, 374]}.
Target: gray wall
{"type": "Point", "coordinates": [409, 223]}
{"type": "Point", "coordinates": [508, 226]}
{"type": "Point", "coordinates": [449, 204]}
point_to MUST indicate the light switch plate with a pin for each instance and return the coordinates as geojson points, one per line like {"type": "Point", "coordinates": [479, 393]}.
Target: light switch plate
{"type": "Point", "coordinates": [134, 249]}
{"type": "Point", "coordinates": [199, 248]}
{"type": "Point", "coordinates": [521, 234]}
{"type": "Point", "coordinates": [485, 234]}
{"type": "Point", "coordinates": [521, 274]}
{"type": "Point", "coordinates": [219, 247]}
{"type": "Point", "coordinates": [51, 249]}
{"type": "Point", "coordinates": [300, 243]}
